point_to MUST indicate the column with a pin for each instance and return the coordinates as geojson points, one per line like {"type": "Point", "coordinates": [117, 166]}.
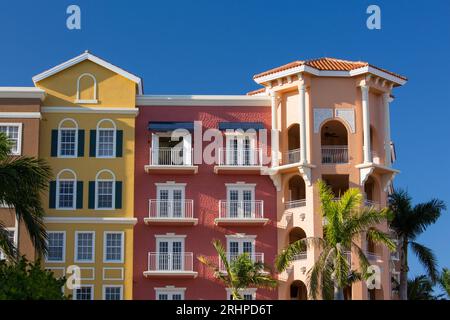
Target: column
{"type": "Point", "coordinates": [366, 123]}
{"type": "Point", "coordinates": [387, 129]}
{"type": "Point", "coordinates": [274, 131]}
{"type": "Point", "coordinates": [302, 112]}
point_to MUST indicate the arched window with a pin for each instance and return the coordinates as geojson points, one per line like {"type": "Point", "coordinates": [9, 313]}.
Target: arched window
{"type": "Point", "coordinates": [106, 139]}
{"type": "Point", "coordinates": [105, 190]}
{"type": "Point", "coordinates": [66, 190]}
{"type": "Point", "coordinates": [298, 290]}
{"type": "Point", "coordinates": [334, 141]}
{"type": "Point", "coordinates": [86, 86]}
{"type": "Point", "coordinates": [68, 138]}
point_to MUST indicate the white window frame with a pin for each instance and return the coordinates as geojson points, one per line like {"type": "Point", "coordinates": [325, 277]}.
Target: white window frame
{"type": "Point", "coordinates": [171, 238]}
{"type": "Point", "coordinates": [97, 138]}
{"type": "Point", "coordinates": [74, 293]}
{"type": "Point", "coordinates": [122, 245]}
{"type": "Point", "coordinates": [186, 137]}
{"type": "Point", "coordinates": [113, 180]}
{"type": "Point", "coordinates": [76, 247]}
{"type": "Point", "coordinates": [112, 286]}
{"type": "Point", "coordinates": [93, 101]}
{"type": "Point", "coordinates": [240, 135]}
{"type": "Point", "coordinates": [241, 238]}
{"type": "Point", "coordinates": [241, 187]}
{"type": "Point", "coordinates": [14, 230]}
{"type": "Point", "coordinates": [170, 291]}
{"type": "Point", "coordinates": [246, 291]}
{"type": "Point", "coordinates": [60, 128]}
{"type": "Point", "coordinates": [171, 186]}
{"type": "Point", "coordinates": [19, 125]}
{"type": "Point", "coordinates": [74, 180]}
{"type": "Point", "coordinates": [63, 248]}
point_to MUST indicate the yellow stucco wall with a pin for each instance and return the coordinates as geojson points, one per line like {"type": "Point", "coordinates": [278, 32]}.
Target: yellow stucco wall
{"type": "Point", "coordinates": [114, 91]}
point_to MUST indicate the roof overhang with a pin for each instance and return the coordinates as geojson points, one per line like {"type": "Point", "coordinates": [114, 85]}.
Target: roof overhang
{"type": "Point", "coordinates": [203, 100]}
{"type": "Point", "coordinates": [22, 93]}
{"type": "Point", "coordinates": [328, 73]}
{"type": "Point", "coordinates": [88, 56]}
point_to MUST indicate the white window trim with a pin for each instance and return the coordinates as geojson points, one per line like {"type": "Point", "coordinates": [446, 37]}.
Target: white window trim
{"type": "Point", "coordinates": [122, 245]}
{"type": "Point", "coordinates": [240, 238]}
{"type": "Point", "coordinates": [170, 290]}
{"type": "Point", "coordinates": [112, 286]}
{"type": "Point", "coordinates": [60, 127]}
{"type": "Point", "coordinates": [93, 101]}
{"type": "Point", "coordinates": [240, 135]}
{"type": "Point", "coordinates": [19, 135]}
{"type": "Point", "coordinates": [97, 138]}
{"type": "Point", "coordinates": [74, 293]}
{"type": "Point", "coordinates": [251, 291]}
{"type": "Point", "coordinates": [63, 251]}
{"type": "Point", "coordinates": [113, 179]}
{"type": "Point", "coordinates": [2, 256]}
{"type": "Point", "coordinates": [74, 180]}
{"type": "Point", "coordinates": [186, 137]}
{"type": "Point", "coordinates": [76, 247]}
{"type": "Point", "coordinates": [241, 187]}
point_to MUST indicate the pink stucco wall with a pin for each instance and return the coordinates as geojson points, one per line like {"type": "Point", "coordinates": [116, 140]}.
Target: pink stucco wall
{"type": "Point", "coordinates": [206, 189]}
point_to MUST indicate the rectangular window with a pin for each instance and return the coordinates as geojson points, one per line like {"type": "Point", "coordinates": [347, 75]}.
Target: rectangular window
{"type": "Point", "coordinates": [105, 194]}
{"type": "Point", "coordinates": [241, 150]}
{"type": "Point", "coordinates": [66, 194]}
{"type": "Point", "coordinates": [106, 143]}
{"type": "Point", "coordinates": [170, 253]}
{"type": "Point", "coordinates": [84, 293]}
{"type": "Point", "coordinates": [170, 294]}
{"type": "Point", "coordinates": [85, 243]}
{"type": "Point", "coordinates": [14, 132]}
{"type": "Point", "coordinates": [238, 246]}
{"type": "Point", "coordinates": [113, 247]}
{"type": "Point", "coordinates": [11, 237]}
{"type": "Point", "coordinates": [247, 294]}
{"type": "Point", "coordinates": [67, 142]}
{"type": "Point", "coordinates": [56, 246]}
{"type": "Point", "coordinates": [241, 201]}
{"type": "Point", "coordinates": [112, 293]}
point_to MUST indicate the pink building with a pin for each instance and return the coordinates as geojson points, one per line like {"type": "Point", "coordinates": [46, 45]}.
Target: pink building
{"type": "Point", "coordinates": [182, 205]}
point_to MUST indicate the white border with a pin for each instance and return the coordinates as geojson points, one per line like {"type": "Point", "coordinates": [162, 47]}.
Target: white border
{"type": "Point", "coordinates": [84, 285]}
{"type": "Point", "coordinates": [112, 286]}
{"type": "Point", "coordinates": [203, 100]}
{"type": "Point", "coordinates": [75, 258]}
{"type": "Point", "coordinates": [113, 279]}
{"type": "Point", "coordinates": [64, 248]}
{"type": "Point", "coordinates": [20, 134]}
{"type": "Point", "coordinates": [122, 254]}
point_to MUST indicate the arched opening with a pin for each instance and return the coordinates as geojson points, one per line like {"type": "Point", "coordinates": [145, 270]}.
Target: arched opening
{"type": "Point", "coordinates": [296, 192]}
{"type": "Point", "coordinates": [298, 290]}
{"type": "Point", "coordinates": [86, 88]}
{"type": "Point", "coordinates": [68, 138]}
{"type": "Point", "coordinates": [373, 250]}
{"type": "Point", "coordinates": [296, 234]}
{"type": "Point", "coordinates": [293, 153]}
{"type": "Point", "coordinates": [374, 145]}
{"type": "Point", "coordinates": [348, 292]}
{"type": "Point", "coordinates": [372, 192]}
{"type": "Point", "coordinates": [106, 139]}
{"type": "Point", "coordinates": [66, 189]}
{"type": "Point", "coordinates": [334, 142]}
{"type": "Point", "coordinates": [105, 190]}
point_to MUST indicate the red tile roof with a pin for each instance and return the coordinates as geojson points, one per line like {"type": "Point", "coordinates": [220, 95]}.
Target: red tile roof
{"type": "Point", "coordinates": [325, 64]}
{"type": "Point", "coordinates": [252, 93]}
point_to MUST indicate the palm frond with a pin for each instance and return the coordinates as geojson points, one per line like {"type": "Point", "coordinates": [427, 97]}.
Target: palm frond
{"type": "Point", "coordinates": [427, 259]}
{"type": "Point", "coordinates": [283, 260]}
{"type": "Point", "coordinates": [380, 237]}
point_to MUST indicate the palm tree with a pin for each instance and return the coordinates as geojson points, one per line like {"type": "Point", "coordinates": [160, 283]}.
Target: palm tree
{"type": "Point", "coordinates": [408, 223]}
{"type": "Point", "coordinates": [22, 179]}
{"type": "Point", "coordinates": [444, 281]}
{"type": "Point", "coordinates": [239, 273]}
{"type": "Point", "coordinates": [421, 288]}
{"type": "Point", "coordinates": [346, 221]}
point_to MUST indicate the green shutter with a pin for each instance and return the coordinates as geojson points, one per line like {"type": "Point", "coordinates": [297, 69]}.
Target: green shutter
{"type": "Point", "coordinates": [118, 194]}
{"type": "Point", "coordinates": [79, 194]}
{"type": "Point", "coordinates": [52, 195]}
{"type": "Point", "coordinates": [91, 204]}
{"type": "Point", "coordinates": [92, 143]}
{"type": "Point", "coordinates": [54, 146]}
{"type": "Point", "coordinates": [119, 143]}
{"type": "Point", "coordinates": [81, 143]}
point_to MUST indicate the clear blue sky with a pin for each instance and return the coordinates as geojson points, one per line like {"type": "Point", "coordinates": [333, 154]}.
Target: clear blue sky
{"type": "Point", "coordinates": [214, 47]}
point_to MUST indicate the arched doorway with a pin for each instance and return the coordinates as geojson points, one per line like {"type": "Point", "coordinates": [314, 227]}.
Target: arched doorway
{"type": "Point", "coordinates": [293, 153]}
{"type": "Point", "coordinates": [296, 192]}
{"type": "Point", "coordinates": [298, 291]}
{"type": "Point", "coordinates": [334, 142]}
{"type": "Point", "coordinates": [372, 191]}
{"type": "Point", "coordinates": [296, 234]}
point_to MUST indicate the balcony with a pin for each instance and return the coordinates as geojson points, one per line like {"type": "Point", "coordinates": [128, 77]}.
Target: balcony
{"type": "Point", "coordinates": [173, 265]}
{"type": "Point", "coordinates": [294, 204]}
{"type": "Point", "coordinates": [334, 154]}
{"type": "Point", "coordinates": [171, 212]}
{"type": "Point", "coordinates": [255, 257]}
{"type": "Point", "coordinates": [373, 257]}
{"type": "Point", "coordinates": [239, 161]}
{"type": "Point", "coordinates": [372, 204]}
{"type": "Point", "coordinates": [241, 213]}
{"type": "Point", "coordinates": [290, 157]}
{"type": "Point", "coordinates": [171, 161]}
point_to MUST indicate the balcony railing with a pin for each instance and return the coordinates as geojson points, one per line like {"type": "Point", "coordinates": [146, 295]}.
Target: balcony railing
{"type": "Point", "coordinates": [236, 209]}
{"type": "Point", "coordinates": [334, 154]}
{"type": "Point", "coordinates": [240, 157]}
{"type": "Point", "coordinates": [301, 256]}
{"type": "Point", "coordinates": [294, 204]}
{"type": "Point", "coordinates": [372, 256]}
{"type": "Point", "coordinates": [255, 257]}
{"type": "Point", "coordinates": [171, 156]}
{"type": "Point", "coordinates": [170, 262]}
{"type": "Point", "coordinates": [291, 156]}
{"type": "Point", "coordinates": [171, 209]}
{"type": "Point", "coordinates": [371, 203]}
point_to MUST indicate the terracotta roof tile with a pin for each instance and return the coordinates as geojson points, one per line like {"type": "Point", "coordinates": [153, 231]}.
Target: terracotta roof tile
{"type": "Point", "coordinates": [254, 92]}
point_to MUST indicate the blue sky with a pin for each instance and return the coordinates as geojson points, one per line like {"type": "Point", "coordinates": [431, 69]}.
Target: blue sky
{"type": "Point", "coordinates": [214, 47]}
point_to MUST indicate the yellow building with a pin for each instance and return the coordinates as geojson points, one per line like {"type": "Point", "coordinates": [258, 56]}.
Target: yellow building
{"type": "Point", "coordinates": [87, 137]}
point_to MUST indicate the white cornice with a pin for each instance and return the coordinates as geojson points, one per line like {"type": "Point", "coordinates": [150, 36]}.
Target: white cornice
{"type": "Point", "coordinates": [95, 59]}
{"type": "Point", "coordinates": [20, 115]}
{"type": "Point", "coordinates": [133, 111]}
{"type": "Point", "coordinates": [203, 100]}
{"type": "Point", "coordinates": [72, 220]}
{"type": "Point", "coordinates": [22, 92]}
